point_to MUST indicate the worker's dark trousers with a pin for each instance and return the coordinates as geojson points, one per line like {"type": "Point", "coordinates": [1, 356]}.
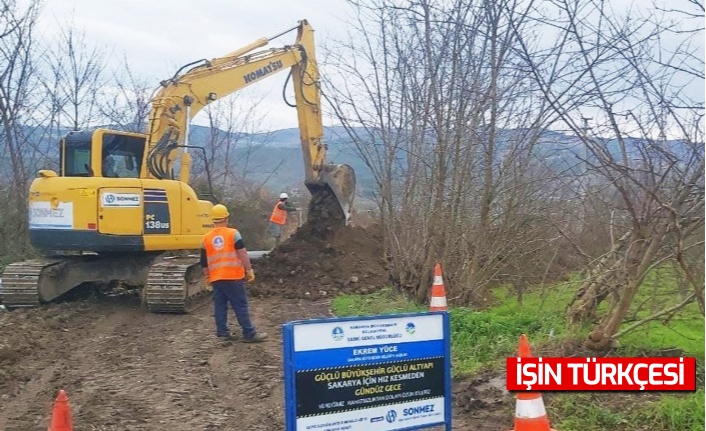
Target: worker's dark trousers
{"type": "Point", "coordinates": [276, 230]}
{"type": "Point", "coordinates": [233, 292]}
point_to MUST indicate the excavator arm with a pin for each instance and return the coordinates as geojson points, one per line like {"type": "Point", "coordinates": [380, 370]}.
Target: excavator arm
{"type": "Point", "coordinates": [180, 98]}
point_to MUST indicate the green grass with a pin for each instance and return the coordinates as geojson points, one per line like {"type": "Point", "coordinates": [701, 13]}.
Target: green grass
{"type": "Point", "coordinates": [386, 301]}
{"type": "Point", "coordinates": [481, 340]}
{"type": "Point", "coordinates": [684, 331]}
{"type": "Point", "coordinates": [678, 413]}
{"type": "Point", "coordinates": [635, 412]}
{"type": "Point", "coordinates": [586, 412]}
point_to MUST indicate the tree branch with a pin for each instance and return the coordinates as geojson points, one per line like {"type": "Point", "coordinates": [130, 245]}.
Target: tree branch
{"type": "Point", "coordinates": [656, 316]}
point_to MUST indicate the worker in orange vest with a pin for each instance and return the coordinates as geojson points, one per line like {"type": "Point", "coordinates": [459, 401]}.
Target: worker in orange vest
{"type": "Point", "coordinates": [226, 265]}
{"type": "Point", "coordinates": [279, 216]}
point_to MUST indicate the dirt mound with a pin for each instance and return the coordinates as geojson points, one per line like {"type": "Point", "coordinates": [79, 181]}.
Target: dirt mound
{"type": "Point", "coordinates": [315, 263]}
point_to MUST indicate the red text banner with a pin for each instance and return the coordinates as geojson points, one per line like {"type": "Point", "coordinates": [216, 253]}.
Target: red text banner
{"type": "Point", "coordinates": [601, 374]}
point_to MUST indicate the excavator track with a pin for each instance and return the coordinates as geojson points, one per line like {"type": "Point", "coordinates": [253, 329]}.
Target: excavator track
{"type": "Point", "coordinates": [171, 284]}
{"type": "Point", "coordinates": [174, 285]}
{"type": "Point", "coordinates": [21, 281]}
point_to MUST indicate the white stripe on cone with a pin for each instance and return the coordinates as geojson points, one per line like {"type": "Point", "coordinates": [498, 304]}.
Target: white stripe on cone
{"type": "Point", "coordinates": [438, 280]}
{"type": "Point", "coordinates": [438, 301]}
{"type": "Point", "coordinates": [530, 409]}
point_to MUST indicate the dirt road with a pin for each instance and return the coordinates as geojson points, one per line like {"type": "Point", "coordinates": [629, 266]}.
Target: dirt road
{"type": "Point", "coordinates": [126, 369]}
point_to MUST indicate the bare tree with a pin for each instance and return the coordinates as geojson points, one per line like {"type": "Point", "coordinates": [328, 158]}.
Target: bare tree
{"type": "Point", "coordinates": [126, 100]}
{"type": "Point", "coordinates": [234, 125]}
{"type": "Point", "coordinates": [17, 80]}
{"type": "Point", "coordinates": [644, 152]}
{"type": "Point", "coordinates": [75, 79]}
{"type": "Point", "coordinates": [440, 109]}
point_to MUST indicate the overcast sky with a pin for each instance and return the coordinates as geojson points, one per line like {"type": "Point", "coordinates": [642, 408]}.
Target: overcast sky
{"type": "Point", "coordinates": [159, 36]}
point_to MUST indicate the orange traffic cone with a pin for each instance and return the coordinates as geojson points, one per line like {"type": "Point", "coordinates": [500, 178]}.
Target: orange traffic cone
{"type": "Point", "coordinates": [438, 292]}
{"type": "Point", "coordinates": [61, 414]}
{"type": "Point", "coordinates": [530, 414]}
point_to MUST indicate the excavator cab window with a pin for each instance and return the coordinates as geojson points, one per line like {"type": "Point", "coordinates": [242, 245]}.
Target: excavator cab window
{"type": "Point", "coordinates": [76, 156]}
{"type": "Point", "coordinates": [122, 156]}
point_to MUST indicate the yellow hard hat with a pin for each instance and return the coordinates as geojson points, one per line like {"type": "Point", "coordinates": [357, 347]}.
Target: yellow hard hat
{"type": "Point", "coordinates": [219, 212]}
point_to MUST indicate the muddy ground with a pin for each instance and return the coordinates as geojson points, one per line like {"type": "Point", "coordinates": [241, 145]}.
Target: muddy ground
{"type": "Point", "coordinates": [126, 369]}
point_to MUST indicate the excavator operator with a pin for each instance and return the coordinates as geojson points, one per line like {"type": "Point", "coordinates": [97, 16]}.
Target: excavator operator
{"type": "Point", "coordinates": [225, 264]}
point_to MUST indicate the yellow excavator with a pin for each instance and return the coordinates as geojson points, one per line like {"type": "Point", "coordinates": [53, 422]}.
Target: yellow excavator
{"type": "Point", "coordinates": [121, 202]}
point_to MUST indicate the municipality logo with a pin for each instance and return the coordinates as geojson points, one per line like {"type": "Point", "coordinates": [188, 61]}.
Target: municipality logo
{"type": "Point", "coordinates": [391, 416]}
{"type": "Point", "coordinates": [410, 328]}
{"type": "Point", "coordinates": [218, 242]}
{"type": "Point", "coordinates": [337, 333]}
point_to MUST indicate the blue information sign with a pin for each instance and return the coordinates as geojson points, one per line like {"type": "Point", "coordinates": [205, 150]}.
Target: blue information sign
{"type": "Point", "coordinates": [379, 373]}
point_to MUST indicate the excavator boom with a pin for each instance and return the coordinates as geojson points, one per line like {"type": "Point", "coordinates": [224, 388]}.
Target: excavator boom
{"type": "Point", "coordinates": [184, 95]}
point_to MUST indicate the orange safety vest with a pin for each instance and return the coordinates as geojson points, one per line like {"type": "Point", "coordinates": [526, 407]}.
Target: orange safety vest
{"type": "Point", "coordinates": [278, 216]}
{"type": "Point", "coordinates": [223, 262]}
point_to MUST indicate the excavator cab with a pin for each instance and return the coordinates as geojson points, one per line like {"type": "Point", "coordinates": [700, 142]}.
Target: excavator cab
{"type": "Point", "coordinates": [120, 154]}
{"type": "Point", "coordinates": [102, 153]}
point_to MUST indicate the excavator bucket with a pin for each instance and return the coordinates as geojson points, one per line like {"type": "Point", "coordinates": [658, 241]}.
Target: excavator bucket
{"type": "Point", "coordinates": [332, 196]}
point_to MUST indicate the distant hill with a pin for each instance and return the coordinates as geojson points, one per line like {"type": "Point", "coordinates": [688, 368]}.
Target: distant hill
{"type": "Point", "coordinates": [275, 158]}
{"type": "Point", "coordinates": [280, 152]}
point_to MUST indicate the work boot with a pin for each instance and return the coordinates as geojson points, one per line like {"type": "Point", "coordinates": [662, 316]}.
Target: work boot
{"type": "Point", "coordinates": [256, 338]}
{"type": "Point", "coordinates": [225, 340]}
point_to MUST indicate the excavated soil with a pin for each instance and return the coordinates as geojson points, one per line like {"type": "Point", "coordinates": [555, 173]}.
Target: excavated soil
{"type": "Point", "coordinates": [314, 265]}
